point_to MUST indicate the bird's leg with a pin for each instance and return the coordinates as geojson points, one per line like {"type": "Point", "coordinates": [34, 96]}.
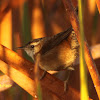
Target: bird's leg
{"type": "Point", "coordinates": [43, 75]}
{"type": "Point", "coordinates": [67, 79]}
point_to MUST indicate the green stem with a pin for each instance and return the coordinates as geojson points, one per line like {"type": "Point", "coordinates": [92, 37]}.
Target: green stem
{"type": "Point", "coordinates": [83, 73]}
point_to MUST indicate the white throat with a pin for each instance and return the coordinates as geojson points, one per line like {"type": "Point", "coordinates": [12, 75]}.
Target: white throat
{"type": "Point", "coordinates": [30, 53]}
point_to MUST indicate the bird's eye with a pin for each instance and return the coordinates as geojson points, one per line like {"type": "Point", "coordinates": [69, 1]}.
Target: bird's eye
{"type": "Point", "coordinates": [32, 46]}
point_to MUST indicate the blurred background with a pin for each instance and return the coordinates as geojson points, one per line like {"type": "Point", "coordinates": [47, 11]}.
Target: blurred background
{"type": "Point", "coordinates": [24, 20]}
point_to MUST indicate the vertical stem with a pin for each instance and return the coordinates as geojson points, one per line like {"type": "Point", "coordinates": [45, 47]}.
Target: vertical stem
{"type": "Point", "coordinates": [83, 73]}
{"type": "Point", "coordinates": [37, 81]}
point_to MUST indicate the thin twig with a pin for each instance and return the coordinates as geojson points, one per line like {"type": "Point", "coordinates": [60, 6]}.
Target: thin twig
{"type": "Point", "coordinates": [89, 60]}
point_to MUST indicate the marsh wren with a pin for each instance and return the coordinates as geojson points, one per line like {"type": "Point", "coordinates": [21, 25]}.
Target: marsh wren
{"type": "Point", "coordinates": [55, 53]}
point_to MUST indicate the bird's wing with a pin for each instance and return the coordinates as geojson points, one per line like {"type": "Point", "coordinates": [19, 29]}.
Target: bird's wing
{"type": "Point", "coordinates": [53, 41]}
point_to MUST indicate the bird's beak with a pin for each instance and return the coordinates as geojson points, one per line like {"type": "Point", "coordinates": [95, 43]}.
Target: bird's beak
{"type": "Point", "coordinates": [23, 47]}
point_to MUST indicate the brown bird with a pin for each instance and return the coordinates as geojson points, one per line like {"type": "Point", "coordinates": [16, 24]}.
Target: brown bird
{"type": "Point", "coordinates": [55, 53]}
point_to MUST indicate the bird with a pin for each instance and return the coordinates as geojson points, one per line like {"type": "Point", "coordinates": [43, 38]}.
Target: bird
{"type": "Point", "coordinates": [54, 53]}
